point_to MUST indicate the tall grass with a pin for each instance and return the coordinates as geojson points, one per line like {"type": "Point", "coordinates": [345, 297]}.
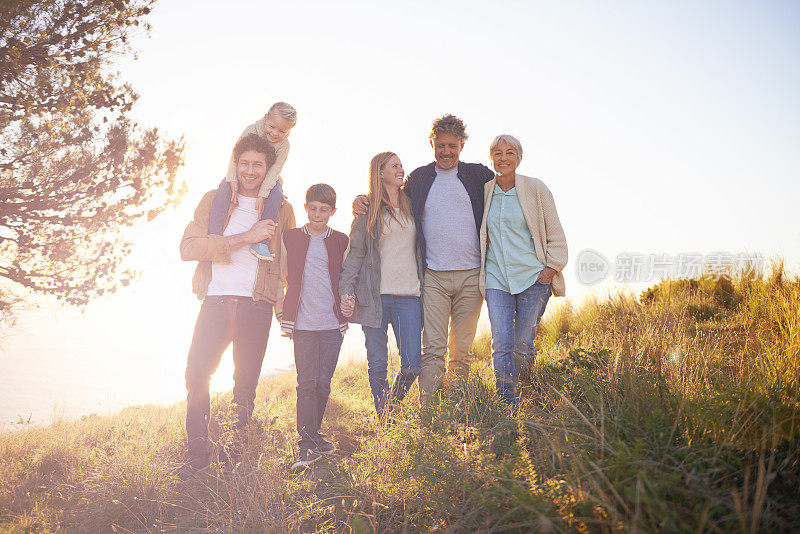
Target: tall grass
{"type": "Point", "coordinates": [677, 410]}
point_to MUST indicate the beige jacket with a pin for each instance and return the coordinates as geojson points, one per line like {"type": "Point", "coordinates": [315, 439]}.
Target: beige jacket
{"type": "Point", "coordinates": [273, 173]}
{"type": "Point", "coordinates": [540, 213]}
{"type": "Point", "coordinates": [198, 245]}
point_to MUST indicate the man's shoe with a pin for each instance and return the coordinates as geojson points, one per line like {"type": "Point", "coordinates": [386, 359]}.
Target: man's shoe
{"type": "Point", "coordinates": [261, 251]}
{"type": "Point", "coordinates": [243, 417]}
{"type": "Point", "coordinates": [324, 446]}
{"type": "Point", "coordinates": [192, 466]}
{"type": "Point", "coordinates": [185, 472]}
{"type": "Point", "coordinates": [307, 458]}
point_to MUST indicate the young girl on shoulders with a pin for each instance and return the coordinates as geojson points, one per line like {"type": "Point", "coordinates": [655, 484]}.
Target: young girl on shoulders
{"type": "Point", "coordinates": [274, 127]}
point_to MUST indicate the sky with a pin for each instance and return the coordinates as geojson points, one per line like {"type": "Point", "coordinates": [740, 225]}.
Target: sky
{"type": "Point", "coordinates": [660, 128]}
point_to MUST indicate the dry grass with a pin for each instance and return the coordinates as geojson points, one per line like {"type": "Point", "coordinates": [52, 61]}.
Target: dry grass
{"type": "Point", "coordinates": [678, 411]}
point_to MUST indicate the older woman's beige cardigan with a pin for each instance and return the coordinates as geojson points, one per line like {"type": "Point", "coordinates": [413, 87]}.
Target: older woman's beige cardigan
{"type": "Point", "coordinates": [540, 213]}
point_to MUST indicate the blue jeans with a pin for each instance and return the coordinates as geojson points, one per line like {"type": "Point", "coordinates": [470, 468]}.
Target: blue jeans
{"type": "Point", "coordinates": [514, 319]}
{"type": "Point", "coordinates": [222, 201]}
{"type": "Point", "coordinates": [316, 353]}
{"type": "Point", "coordinates": [405, 315]}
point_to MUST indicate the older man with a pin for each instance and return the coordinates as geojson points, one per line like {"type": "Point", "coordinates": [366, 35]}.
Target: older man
{"type": "Point", "coordinates": [447, 203]}
{"type": "Point", "coordinates": [238, 292]}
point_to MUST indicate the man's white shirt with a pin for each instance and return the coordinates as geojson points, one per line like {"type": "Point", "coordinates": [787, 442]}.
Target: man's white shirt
{"type": "Point", "coordinates": [239, 276]}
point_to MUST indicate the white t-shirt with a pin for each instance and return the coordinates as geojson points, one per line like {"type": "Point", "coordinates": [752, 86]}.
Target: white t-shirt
{"type": "Point", "coordinates": [239, 276]}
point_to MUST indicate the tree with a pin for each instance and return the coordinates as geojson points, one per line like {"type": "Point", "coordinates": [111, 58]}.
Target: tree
{"type": "Point", "coordinates": [74, 168]}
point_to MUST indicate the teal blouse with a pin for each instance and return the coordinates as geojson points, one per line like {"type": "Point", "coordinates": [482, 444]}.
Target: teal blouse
{"type": "Point", "coordinates": [511, 262]}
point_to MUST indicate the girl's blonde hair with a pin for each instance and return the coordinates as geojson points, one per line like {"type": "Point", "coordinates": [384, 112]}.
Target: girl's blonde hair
{"type": "Point", "coordinates": [379, 198]}
{"type": "Point", "coordinates": [284, 111]}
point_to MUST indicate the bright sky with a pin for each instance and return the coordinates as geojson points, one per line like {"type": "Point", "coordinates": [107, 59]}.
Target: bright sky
{"type": "Point", "coordinates": [660, 127]}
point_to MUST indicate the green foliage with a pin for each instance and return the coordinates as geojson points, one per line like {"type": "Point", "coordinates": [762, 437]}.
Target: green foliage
{"type": "Point", "coordinates": [74, 169]}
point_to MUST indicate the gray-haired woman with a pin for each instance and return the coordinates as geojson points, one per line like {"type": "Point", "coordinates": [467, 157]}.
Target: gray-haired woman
{"type": "Point", "coordinates": [523, 250]}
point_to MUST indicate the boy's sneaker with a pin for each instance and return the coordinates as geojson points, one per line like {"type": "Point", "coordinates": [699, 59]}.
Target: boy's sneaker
{"type": "Point", "coordinates": [307, 457]}
{"type": "Point", "coordinates": [261, 251]}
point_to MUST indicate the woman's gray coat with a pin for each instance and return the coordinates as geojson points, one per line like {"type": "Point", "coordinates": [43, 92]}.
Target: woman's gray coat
{"type": "Point", "coordinates": [361, 273]}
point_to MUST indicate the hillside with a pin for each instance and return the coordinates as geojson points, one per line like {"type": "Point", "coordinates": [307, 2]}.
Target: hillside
{"type": "Point", "coordinates": [677, 410]}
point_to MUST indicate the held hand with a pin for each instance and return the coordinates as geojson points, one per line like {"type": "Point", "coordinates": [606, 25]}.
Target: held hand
{"type": "Point", "coordinates": [348, 305]}
{"type": "Point", "coordinates": [286, 334]}
{"type": "Point", "coordinates": [360, 205]}
{"type": "Point", "coordinates": [261, 230]}
{"type": "Point", "coordinates": [546, 276]}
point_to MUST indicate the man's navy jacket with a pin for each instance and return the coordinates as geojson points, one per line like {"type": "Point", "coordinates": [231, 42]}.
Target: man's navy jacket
{"type": "Point", "coordinates": [418, 184]}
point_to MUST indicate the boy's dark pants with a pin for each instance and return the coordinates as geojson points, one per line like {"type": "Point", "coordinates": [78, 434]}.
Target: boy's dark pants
{"type": "Point", "coordinates": [223, 320]}
{"type": "Point", "coordinates": [316, 353]}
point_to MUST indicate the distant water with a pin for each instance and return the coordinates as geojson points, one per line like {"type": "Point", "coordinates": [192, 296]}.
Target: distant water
{"type": "Point", "coordinates": [131, 349]}
{"type": "Point", "coordinates": [58, 365]}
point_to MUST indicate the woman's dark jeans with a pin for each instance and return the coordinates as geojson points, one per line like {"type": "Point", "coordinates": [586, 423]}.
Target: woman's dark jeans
{"type": "Point", "coordinates": [404, 313]}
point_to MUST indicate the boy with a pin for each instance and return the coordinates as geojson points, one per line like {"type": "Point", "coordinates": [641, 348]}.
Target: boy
{"type": "Point", "coordinates": [311, 261]}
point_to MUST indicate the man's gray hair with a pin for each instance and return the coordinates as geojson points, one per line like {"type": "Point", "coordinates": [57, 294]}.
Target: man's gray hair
{"type": "Point", "coordinates": [448, 124]}
{"type": "Point", "coordinates": [511, 140]}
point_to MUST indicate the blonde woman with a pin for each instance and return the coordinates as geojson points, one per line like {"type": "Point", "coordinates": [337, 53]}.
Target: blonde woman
{"type": "Point", "coordinates": [523, 250]}
{"type": "Point", "coordinates": [381, 281]}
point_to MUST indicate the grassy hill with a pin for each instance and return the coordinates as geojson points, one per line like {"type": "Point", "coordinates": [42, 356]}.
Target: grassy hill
{"type": "Point", "coordinates": [677, 410]}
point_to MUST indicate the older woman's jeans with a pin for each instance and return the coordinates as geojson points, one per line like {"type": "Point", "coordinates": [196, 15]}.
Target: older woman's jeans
{"type": "Point", "coordinates": [405, 315]}
{"type": "Point", "coordinates": [514, 319]}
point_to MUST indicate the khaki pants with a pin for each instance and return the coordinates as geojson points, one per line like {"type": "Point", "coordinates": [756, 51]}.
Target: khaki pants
{"type": "Point", "coordinates": [449, 297]}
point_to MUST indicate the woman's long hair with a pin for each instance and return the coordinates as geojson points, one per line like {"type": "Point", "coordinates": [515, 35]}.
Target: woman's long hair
{"type": "Point", "coordinates": [379, 198]}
